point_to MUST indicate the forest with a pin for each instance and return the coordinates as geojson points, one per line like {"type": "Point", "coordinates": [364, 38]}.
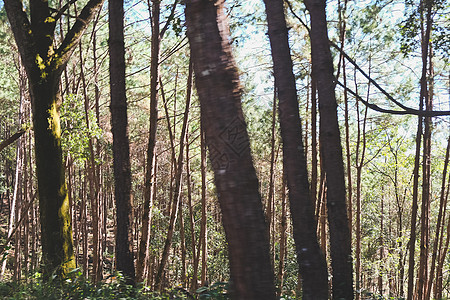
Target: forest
{"type": "Point", "coordinates": [212, 149]}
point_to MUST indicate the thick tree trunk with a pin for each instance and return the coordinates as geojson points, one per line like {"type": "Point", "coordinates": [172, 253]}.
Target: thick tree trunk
{"type": "Point", "coordinates": [312, 265]}
{"type": "Point", "coordinates": [57, 247]}
{"type": "Point", "coordinates": [340, 239]}
{"type": "Point", "coordinates": [121, 148]}
{"type": "Point", "coordinates": [218, 88]}
{"type": "Point", "coordinates": [44, 63]}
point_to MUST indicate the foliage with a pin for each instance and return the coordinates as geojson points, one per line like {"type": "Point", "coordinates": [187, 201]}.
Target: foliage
{"type": "Point", "coordinates": [114, 287]}
{"type": "Point", "coordinates": [78, 287]}
{"type": "Point", "coordinates": [75, 133]}
{"type": "Point", "coordinates": [218, 291]}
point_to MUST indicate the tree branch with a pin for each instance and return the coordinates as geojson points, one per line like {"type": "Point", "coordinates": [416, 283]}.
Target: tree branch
{"type": "Point", "coordinates": [368, 77]}
{"type": "Point", "coordinates": [60, 12]}
{"type": "Point", "coordinates": [169, 19]}
{"type": "Point", "coordinates": [62, 54]}
{"type": "Point", "coordinates": [21, 28]}
{"type": "Point", "coordinates": [406, 111]}
{"type": "Point", "coordinates": [13, 138]}
{"type": "Point", "coordinates": [291, 8]}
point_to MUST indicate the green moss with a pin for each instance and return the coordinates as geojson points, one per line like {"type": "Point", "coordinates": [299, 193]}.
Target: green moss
{"type": "Point", "coordinates": [49, 20]}
{"type": "Point", "coordinates": [53, 121]}
{"type": "Point", "coordinates": [40, 62]}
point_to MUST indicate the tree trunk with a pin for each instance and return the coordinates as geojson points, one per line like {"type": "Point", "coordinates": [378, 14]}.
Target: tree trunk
{"type": "Point", "coordinates": [178, 177]}
{"type": "Point", "coordinates": [340, 239]}
{"type": "Point", "coordinates": [203, 225]}
{"type": "Point", "coordinates": [423, 99]}
{"type": "Point", "coordinates": [439, 239]}
{"type": "Point", "coordinates": [56, 225]}
{"type": "Point", "coordinates": [360, 155]}
{"type": "Point", "coordinates": [193, 286]}
{"type": "Point", "coordinates": [312, 265]}
{"type": "Point", "coordinates": [154, 77]}
{"type": "Point", "coordinates": [93, 182]}
{"type": "Point", "coordinates": [44, 64]}
{"type": "Point", "coordinates": [283, 231]}
{"type": "Point", "coordinates": [121, 148]}
{"type": "Point", "coordinates": [270, 197]}
{"type": "Point", "coordinates": [218, 88]}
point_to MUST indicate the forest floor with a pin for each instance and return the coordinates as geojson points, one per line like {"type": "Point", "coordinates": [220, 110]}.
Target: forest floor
{"type": "Point", "coordinates": [79, 288]}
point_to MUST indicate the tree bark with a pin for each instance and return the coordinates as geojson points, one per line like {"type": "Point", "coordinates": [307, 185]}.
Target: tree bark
{"type": "Point", "coordinates": [227, 139]}
{"type": "Point", "coordinates": [312, 265]}
{"type": "Point", "coordinates": [121, 148]}
{"type": "Point", "coordinates": [340, 239]}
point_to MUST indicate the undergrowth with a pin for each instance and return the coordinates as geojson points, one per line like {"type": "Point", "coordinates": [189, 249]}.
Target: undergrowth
{"type": "Point", "coordinates": [113, 287]}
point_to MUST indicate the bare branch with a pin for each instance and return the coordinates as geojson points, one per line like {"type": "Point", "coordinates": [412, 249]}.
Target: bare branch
{"type": "Point", "coordinates": [169, 19]}
{"type": "Point", "coordinates": [21, 28]}
{"type": "Point", "coordinates": [406, 111]}
{"type": "Point", "coordinates": [368, 77]}
{"type": "Point", "coordinates": [291, 8]}
{"type": "Point", "coordinates": [60, 12]}
{"type": "Point", "coordinates": [74, 35]}
{"type": "Point", "coordinates": [13, 138]}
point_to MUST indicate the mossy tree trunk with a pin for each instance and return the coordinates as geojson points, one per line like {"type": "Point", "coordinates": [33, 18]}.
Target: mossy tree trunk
{"type": "Point", "coordinates": [44, 63]}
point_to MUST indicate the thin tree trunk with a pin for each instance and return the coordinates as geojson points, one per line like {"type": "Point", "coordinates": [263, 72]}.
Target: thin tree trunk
{"type": "Point", "coordinates": [227, 139]}
{"type": "Point", "coordinates": [193, 285]}
{"type": "Point", "coordinates": [84, 226]}
{"type": "Point", "coordinates": [439, 224]}
{"type": "Point", "coordinates": [360, 156]}
{"type": "Point", "coordinates": [270, 196]}
{"type": "Point", "coordinates": [17, 184]}
{"type": "Point", "coordinates": [93, 181]}
{"type": "Point", "coordinates": [423, 99]}
{"type": "Point", "coordinates": [314, 147]}
{"type": "Point", "coordinates": [183, 244]}
{"type": "Point", "coordinates": [438, 250]}
{"type": "Point", "coordinates": [283, 231]}
{"type": "Point", "coordinates": [178, 176]}
{"type": "Point", "coordinates": [203, 225]}
{"type": "Point", "coordinates": [154, 79]}
{"type": "Point", "coordinates": [381, 247]}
